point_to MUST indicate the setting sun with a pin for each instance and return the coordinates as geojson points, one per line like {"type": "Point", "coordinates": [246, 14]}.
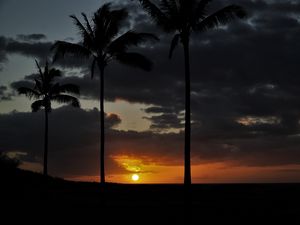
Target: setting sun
{"type": "Point", "coordinates": [135, 177]}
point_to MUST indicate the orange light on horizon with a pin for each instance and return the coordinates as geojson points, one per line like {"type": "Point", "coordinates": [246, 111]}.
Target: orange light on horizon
{"type": "Point", "coordinates": [146, 170]}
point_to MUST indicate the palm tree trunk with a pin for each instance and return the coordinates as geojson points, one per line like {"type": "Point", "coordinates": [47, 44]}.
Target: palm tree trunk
{"type": "Point", "coordinates": [187, 129]}
{"type": "Point", "coordinates": [102, 137]}
{"type": "Point", "coordinates": [46, 144]}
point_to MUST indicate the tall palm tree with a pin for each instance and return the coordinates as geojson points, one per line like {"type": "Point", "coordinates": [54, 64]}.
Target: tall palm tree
{"type": "Point", "coordinates": [102, 43]}
{"type": "Point", "coordinates": [182, 18]}
{"type": "Point", "coordinates": [44, 91]}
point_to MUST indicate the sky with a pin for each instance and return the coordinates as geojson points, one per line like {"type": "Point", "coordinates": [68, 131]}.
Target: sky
{"type": "Point", "coordinates": [245, 98]}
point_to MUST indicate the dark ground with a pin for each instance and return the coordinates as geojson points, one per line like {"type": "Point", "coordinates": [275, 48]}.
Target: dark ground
{"type": "Point", "coordinates": [28, 198]}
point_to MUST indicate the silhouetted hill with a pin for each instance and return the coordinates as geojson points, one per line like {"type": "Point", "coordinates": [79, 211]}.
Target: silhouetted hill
{"type": "Point", "coordinates": [29, 198]}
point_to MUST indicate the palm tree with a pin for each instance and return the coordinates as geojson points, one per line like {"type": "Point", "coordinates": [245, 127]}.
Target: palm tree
{"type": "Point", "coordinates": [101, 43]}
{"type": "Point", "coordinates": [46, 90]}
{"type": "Point", "coordinates": [182, 18]}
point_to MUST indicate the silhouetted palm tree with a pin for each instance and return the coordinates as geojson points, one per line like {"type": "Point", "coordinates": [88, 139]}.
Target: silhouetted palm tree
{"type": "Point", "coordinates": [45, 91]}
{"type": "Point", "coordinates": [101, 43]}
{"type": "Point", "coordinates": [183, 17]}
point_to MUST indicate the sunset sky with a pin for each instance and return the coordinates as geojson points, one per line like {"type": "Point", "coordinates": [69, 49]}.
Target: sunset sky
{"type": "Point", "coordinates": [245, 98]}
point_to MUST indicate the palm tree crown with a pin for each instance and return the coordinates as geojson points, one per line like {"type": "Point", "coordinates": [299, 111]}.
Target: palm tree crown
{"type": "Point", "coordinates": [101, 43]}
{"type": "Point", "coordinates": [46, 90]}
{"type": "Point", "coordinates": [184, 17]}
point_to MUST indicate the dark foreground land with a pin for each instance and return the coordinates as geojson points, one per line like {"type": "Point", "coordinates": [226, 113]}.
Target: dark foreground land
{"type": "Point", "coordinates": [28, 198]}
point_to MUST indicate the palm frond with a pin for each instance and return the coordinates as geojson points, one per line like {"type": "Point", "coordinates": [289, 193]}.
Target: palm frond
{"type": "Point", "coordinates": [107, 24]}
{"type": "Point", "coordinates": [85, 34]}
{"type": "Point", "coordinates": [104, 10]}
{"type": "Point", "coordinates": [117, 17]}
{"type": "Point", "coordinates": [130, 38]}
{"type": "Point", "coordinates": [170, 8]}
{"type": "Point", "coordinates": [174, 43]}
{"type": "Point", "coordinates": [157, 15]}
{"type": "Point", "coordinates": [39, 85]}
{"type": "Point", "coordinates": [135, 60]}
{"type": "Point", "coordinates": [221, 17]}
{"type": "Point", "coordinates": [66, 99]}
{"type": "Point", "coordinates": [88, 25]}
{"type": "Point", "coordinates": [37, 105]}
{"type": "Point", "coordinates": [200, 10]}
{"type": "Point", "coordinates": [101, 21]}
{"type": "Point", "coordinates": [39, 69]}
{"type": "Point", "coordinates": [28, 92]}
{"type": "Point", "coordinates": [62, 48]}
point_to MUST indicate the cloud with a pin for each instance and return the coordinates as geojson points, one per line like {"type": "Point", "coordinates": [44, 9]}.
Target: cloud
{"type": "Point", "coordinates": [165, 121]}
{"type": "Point", "coordinates": [5, 95]}
{"type": "Point", "coordinates": [73, 133]}
{"type": "Point", "coordinates": [31, 37]}
{"type": "Point", "coordinates": [39, 50]}
{"type": "Point", "coordinates": [34, 46]}
{"type": "Point", "coordinates": [74, 144]}
{"type": "Point", "coordinates": [26, 45]}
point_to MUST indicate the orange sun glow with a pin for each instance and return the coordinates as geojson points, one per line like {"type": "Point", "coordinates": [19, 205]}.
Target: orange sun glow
{"type": "Point", "coordinates": [135, 177]}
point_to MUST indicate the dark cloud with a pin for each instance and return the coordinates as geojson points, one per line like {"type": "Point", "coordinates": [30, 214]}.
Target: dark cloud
{"type": "Point", "coordinates": [5, 95]}
{"type": "Point", "coordinates": [76, 133]}
{"type": "Point", "coordinates": [74, 141]}
{"type": "Point", "coordinates": [39, 50]}
{"type": "Point", "coordinates": [165, 121]}
{"type": "Point", "coordinates": [31, 37]}
{"type": "Point", "coordinates": [22, 83]}
{"type": "Point", "coordinates": [26, 45]}
{"type": "Point", "coordinates": [37, 47]}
